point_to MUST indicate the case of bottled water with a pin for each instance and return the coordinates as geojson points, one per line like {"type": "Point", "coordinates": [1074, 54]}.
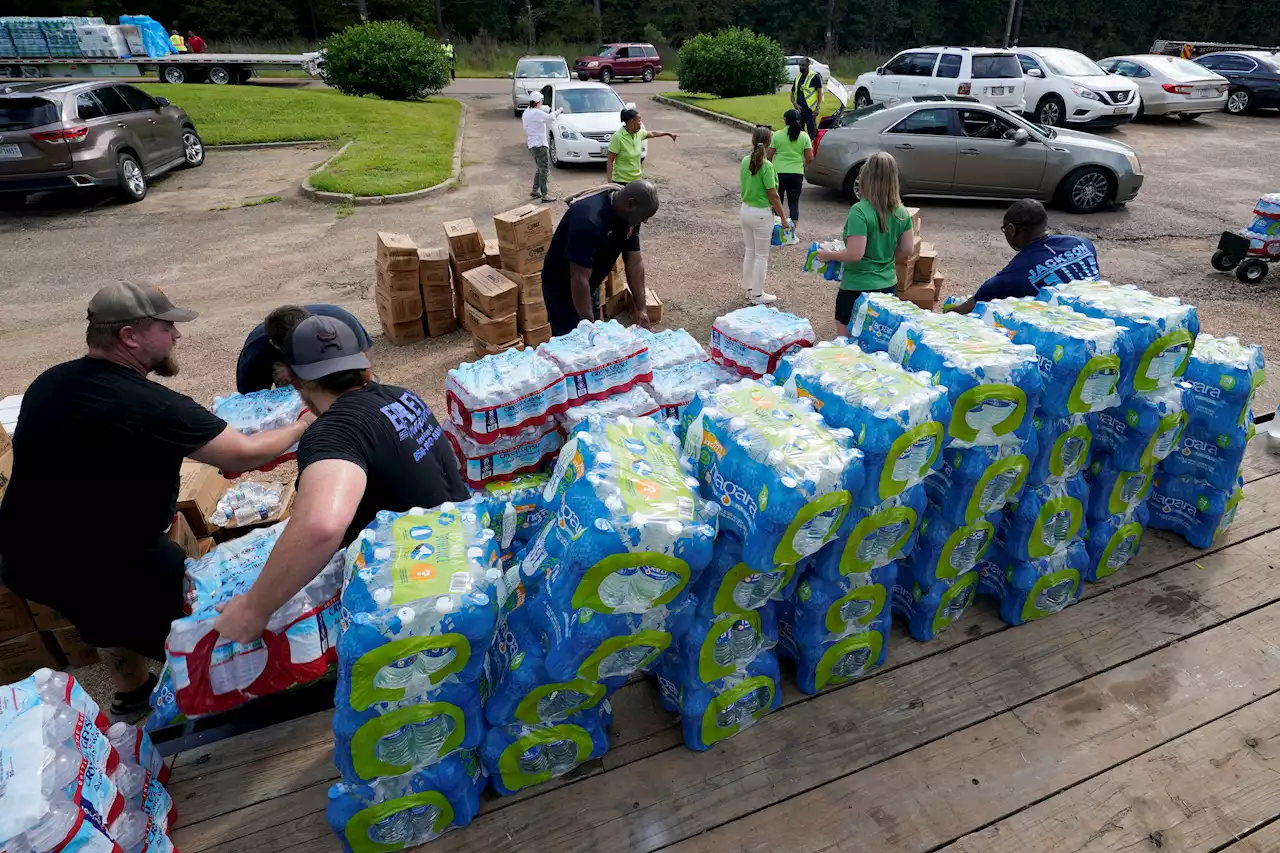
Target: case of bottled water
{"type": "Point", "coordinates": [1060, 449]}
{"type": "Point", "coordinates": [1196, 511]}
{"type": "Point", "coordinates": [930, 609]}
{"type": "Point", "coordinates": [1113, 541]}
{"type": "Point", "coordinates": [824, 610]}
{"type": "Point", "coordinates": [260, 411]}
{"type": "Point", "coordinates": [1224, 374]}
{"type": "Point", "coordinates": [399, 812]}
{"type": "Point", "coordinates": [518, 508]}
{"type": "Point", "coordinates": [502, 394]}
{"type": "Point", "coordinates": [830, 270]}
{"type": "Point", "coordinates": [149, 810]}
{"type": "Point", "coordinates": [1162, 329]}
{"type": "Point", "coordinates": [210, 673]}
{"type": "Point", "coordinates": [598, 359]}
{"type": "Point", "coordinates": [1032, 589]}
{"type": "Point", "coordinates": [518, 756]}
{"type": "Point", "coordinates": [830, 663]}
{"type": "Point", "coordinates": [729, 585]}
{"type": "Point", "coordinates": [974, 483]}
{"type": "Point", "coordinates": [753, 340]}
{"type": "Point", "coordinates": [674, 388]}
{"type": "Point", "coordinates": [784, 480]}
{"type": "Point", "coordinates": [522, 453]}
{"type": "Point", "coordinates": [1081, 358]}
{"type": "Point", "coordinates": [897, 417]}
{"type": "Point", "coordinates": [716, 647]}
{"type": "Point", "coordinates": [635, 403]}
{"type": "Point", "coordinates": [48, 686]}
{"type": "Point", "coordinates": [945, 550]}
{"type": "Point", "coordinates": [877, 536]}
{"type": "Point", "coordinates": [1144, 429]}
{"type": "Point", "coordinates": [1045, 519]}
{"type": "Point", "coordinates": [1211, 456]}
{"type": "Point", "coordinates": [1113, 490]}
{"type": "Point", "coordinates": [877, 318]}
{"type": "Point", "coordinates": [712, 712]}
{"type": "Point", "coordinates": [671, 347]}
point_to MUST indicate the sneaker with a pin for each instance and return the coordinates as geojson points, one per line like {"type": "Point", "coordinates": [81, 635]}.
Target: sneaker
{"type": "Point", "coordinates": [764, 299]}
{"type": "Point", "coordinates": [547, 199]}
{"type": "Point", "coordinates": [535, 195]}
{"type": "Point", "coordinates": [134, 705]}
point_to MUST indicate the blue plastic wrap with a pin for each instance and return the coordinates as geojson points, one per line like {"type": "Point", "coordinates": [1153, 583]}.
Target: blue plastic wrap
{"type": "Point", "coordinates": [877, 536]}
{"type": "Point", "coordinates": [1143, 430]}
{"type": "Point", "coordinates": [977, 482]}
{"type": "Point", "coordinates": [1113, 541]}
{"type": "Point", "coordinates": [517, 757]}
{"type": "Point", "coordinates": [1060, 449]}
{"type": "Point", "coordinates": [929, 610]}
{"type": "Point", "coordinates": [1032, 589]}
{"type": "Point", "coordinates": [1224, 375]}
{"type": "Point", "coordinates": [1114, 490]}
{"type": "Point", "coordinates": [1210, 456]}
{"type": "Point", "coordinates": [877, 318]}
{"type": "Point", "coordinates": [710, 713]}
{"type": "Point", "coordinates": [729, 585]}
{"type": "Point", "coordinates": [824, 611]}
{"type": "Point", "coordinates": [945, 550]}
{"type": "Point", "coordinates": [1195, 511]}
{"type": "Point", "coordinates": [837, 662]}
{"type": "Point", "coordinates": [1045, 519]}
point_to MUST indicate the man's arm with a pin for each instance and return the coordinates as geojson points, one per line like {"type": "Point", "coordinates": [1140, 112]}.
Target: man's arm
{"type": "Point", "coordinates": [817, 84]}
{"type": "Point", "coordinates": [232, 450]}
{"type": "Point", "coordinates": [634, 264]}
{"type": "Point", "coordinates": [329, 492]}
{"type": "Point", "coordinates": [580, 290]}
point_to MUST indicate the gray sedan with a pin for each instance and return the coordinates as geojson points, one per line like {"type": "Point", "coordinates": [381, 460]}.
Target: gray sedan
{"type": "Point", "coordinates": [958, 147]}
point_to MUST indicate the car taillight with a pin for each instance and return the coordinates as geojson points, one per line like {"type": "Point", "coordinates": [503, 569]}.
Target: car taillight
{"type": "Point", "coordinates": [1222, 87]}
{"type": "Point", "coordinates": [965, 88]}
{"type": "Point", "coordinates": [1176, 89]}
{"type": "Point", "coordinates": [821, 133]}
{"type": "Point", "coordinates": [70, 134]}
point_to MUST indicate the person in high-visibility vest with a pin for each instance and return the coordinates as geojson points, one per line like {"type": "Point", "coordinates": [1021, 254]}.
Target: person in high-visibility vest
{"type": "Point", "coordinates": [806, 96]}
{"type": "Point", "coordinates": [1187, 50]}
{"type": "Point", "coordinates": [176, 40]}
{"type": "Point", "coordinates": [453, 64]}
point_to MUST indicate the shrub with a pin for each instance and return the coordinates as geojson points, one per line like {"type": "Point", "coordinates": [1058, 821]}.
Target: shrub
{"type": "Point", "coordinates": [733, 63]}
{"type": "Point", "coordinates": [389, 59]}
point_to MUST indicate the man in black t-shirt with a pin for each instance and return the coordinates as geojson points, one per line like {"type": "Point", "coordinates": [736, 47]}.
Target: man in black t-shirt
{"type": "Point", "coordinates": [260, 354]}
{"type": "Point", "coordinates": [372, 447]}
{"type": "Point", "coordinates": [585, 246]}
{"type": "Point", "coordinates": [98, 433]}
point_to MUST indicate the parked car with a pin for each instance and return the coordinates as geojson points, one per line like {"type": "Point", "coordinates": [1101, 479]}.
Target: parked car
{"type": "Point", "coordinates": [949, 145]}
{"type": "Point", "coordinates": [531, 74]}
{"type": "Point", "coordinates": [988, 74]}
{"type": "Point", "coordinates": [613, 61]}
{"type": "Point", "coordinates": [1068, 88]}
{"type": "Point", "coordinates": [57, 135]}
{"type": "Point", "coordinates": [1254, 76]}
{"type": "Point", "coordinates": [1170, 85]}
{"type": "Point", "coordinates": [592, 115]}
{"type": "Point", "coordinates": [793, 68]}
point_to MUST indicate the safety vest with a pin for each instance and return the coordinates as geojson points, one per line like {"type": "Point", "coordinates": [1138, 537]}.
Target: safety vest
{"type": "Point", "coordinates": [804, 91]}
{"type": "Point", "coordinates": [448, 50]}
{"type": "Point", "coordinates": [176, 41]}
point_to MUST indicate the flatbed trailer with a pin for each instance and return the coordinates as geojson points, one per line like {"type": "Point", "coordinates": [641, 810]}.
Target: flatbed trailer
{"type": "Point", "coordinates": [218, 68]}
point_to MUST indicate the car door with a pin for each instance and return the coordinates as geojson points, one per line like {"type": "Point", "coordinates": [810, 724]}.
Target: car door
{"type": "Point", "coordinates": [991, 163]}
{"type": "Point", "coordinates": [884, 87]}
{"type": "Point", "coordinates": [166, 127]}
{"type": "Point", "coordinates": [622, 62]}
{"type": "Point", "coordinates": [919, 79]}
{"type": "Point", "coordinates": [1036, 84]}
{"type": "Point", "coordinates": [924, 144]}
{"type": "Point", "coordinates": [132, 129]}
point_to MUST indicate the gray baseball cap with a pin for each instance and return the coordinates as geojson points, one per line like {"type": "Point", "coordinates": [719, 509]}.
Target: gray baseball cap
{"type": "Point", "coordinates": [125, 301]}
{"type": "Point", "coordinates": [319, 346]}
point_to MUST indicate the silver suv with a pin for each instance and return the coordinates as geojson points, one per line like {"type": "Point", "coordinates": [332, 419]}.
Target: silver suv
{"type": "Point", "coordinates": [60, 135]}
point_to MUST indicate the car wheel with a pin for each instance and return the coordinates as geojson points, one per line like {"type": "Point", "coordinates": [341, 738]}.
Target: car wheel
{"type": "Point", "coordinates": [851, 183]}
{"type": "Point", "coordinates": [1142, 110]}
{"type": "Point", "coordinates": [1222, 262]}
{"type": "Point", "coordinates": [584, 76]}
{"type": "Point", "coordinates": [1051, 112]}
{"type": "Point", "coordinates": [173, 74]}
{"type": "Point", "coordinates": [1252, 270]}
{"type": "Point", "coordinates": [219, 76]}
{"type": "Point", "coordinates": [647, 76]}
{"type": "Point", "coordinates": [131, 183]}
{"type": "Point", "coordinates": [1238, 101]}
{"type": "Point", "coordinates": [861, 99]}
{"type": "Point", "coordinates": [1087, 189]}
{"type": "Point", "coordinates": [606, 76]}
{"type": "Point", "coordinates": [552, 153]}
{"type": "Point", "coordinates": [192, 148]}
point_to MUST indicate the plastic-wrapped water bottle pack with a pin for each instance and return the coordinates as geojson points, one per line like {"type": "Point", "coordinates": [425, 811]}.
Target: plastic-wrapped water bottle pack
{"type": "Point", "coordinates": [521, 453]}
{"type": "Point", "coordinates": [1113, 541]}
{"type": "Point", "coordinates": [598, 359]}
{"type": "Point", "coordinates": [729, 585]}
{"type": "Point", "coordinates": [674, 388]}
{"type": "Point", "coordinates": [517, 507]}
{"type": "Point", "coordinates": [1223, 374]}
{"type": "Point", "coordinates": [713, 711]}
{"type": "Point", "coordinates": [502, 394]}
{"type": "Point", "coordinates": [1114, 490]}
{"type": "Point", "coordinates": [1144, 429]}
{"type": "Point", "coordinates": [260, 411]}
{"type": "Point", "coordinates": [671, 347]}
{"type": "Point", "coordinates": [210, 673]}
{"type": "Point", "coordinates": [1045, 520]}
{"type": "Point", "coordinates": [945, 550]}
{"type": "Point", "coordinates": [877, 318]}
{"type": "Point", "coordinates": [149, 810]}
{"type": "Point", "coordinates": [753, 340]}
{"type": "Point", "coordinates": [1032, 589]}
{"type": "Point", "coordinates": [1196, 511]}
{"type": "Point", "coordinates": [830, 270]}
{"type": "Point", "coordinates": [518, 756]}
{"type": "Point", "coordinates": [1060, 449]}
{"type": "Point", "coordinates": [633, 403]}
{"type": "Point", "coordinates": [246, 503]}
{"type": "Point", "coordinates": [896, 417]}
{"type": "Point", "coordinates": [1211, 456]}
{"type": "Point", "coordinates": [928, 610]}
{"type": "Point", "coordinates": [783, 236]}
{"type": "Point", "coordinates": [784, 479]}
{"type": "Point", "coordinates": [877, 536]}
{"type": "Point", "coordinates": [974, 483]}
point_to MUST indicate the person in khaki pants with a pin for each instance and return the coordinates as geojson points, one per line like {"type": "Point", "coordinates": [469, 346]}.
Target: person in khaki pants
{"type": "Point", "coordinates": [536, 122]}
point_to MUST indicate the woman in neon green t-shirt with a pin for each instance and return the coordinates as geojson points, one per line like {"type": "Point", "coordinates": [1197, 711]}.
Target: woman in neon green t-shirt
{"type": "Point", "coordinates": [791, 150]}
{"type": "Point", "coordinates": [626, 147]}
{"type": "Point", "coordinates": [760, 202]}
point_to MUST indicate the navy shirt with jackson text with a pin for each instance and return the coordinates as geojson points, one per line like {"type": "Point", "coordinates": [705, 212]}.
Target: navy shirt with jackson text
{"type": "Point", "coordinates": [1054, 259]}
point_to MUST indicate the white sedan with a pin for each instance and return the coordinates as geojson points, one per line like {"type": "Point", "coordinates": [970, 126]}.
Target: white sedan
{"type": "Point", "coordinates": [592, 115]}
{"type": "Point", "coordinates": [1169, 85]}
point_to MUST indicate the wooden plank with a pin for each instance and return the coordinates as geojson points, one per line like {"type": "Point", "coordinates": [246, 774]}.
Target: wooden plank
{"type": "Point", "coordinates": [947, 789]}
{"type": "Point", "coordinates": [1194, 795]}
{"type": "Point", "coordinates": [677, 794]}
{"type": "Point", "coordinates": [1264, 840]}
{"type": "Point", "coordinates": [312, 730]}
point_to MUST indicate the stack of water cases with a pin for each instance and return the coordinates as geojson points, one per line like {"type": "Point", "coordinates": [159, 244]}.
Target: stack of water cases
{"type": "Point", "coordinates": [752, 341]}
{"type": "Point", "coordinates": [1036, 566]}
{"type": "Point", "coordinates": [681, 368]}
{"type": "Point", "coordinates": [786, 482]}
{"type": "Point", "coordinates": [1199, 485]}
{"type": "Point", "coordinates": [419, 609]}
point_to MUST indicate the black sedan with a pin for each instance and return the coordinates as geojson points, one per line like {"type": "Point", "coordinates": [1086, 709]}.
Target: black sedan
{"type": "Point", "coordinates": [1254, 77]}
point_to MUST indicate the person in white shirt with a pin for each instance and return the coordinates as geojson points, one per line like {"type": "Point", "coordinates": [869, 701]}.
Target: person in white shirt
{"type": "Point", "coordinates": [536, 123]}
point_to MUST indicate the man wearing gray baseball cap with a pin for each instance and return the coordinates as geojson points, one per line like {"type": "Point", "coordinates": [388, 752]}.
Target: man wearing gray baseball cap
{"type": "Point", "coordinates": [372, 447]}
{"type": "Point", "coordinates": [98, 431]}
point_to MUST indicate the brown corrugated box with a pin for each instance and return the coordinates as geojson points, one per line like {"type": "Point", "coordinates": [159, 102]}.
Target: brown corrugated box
{"type": "Point", "coordinates": [397, 252]}
{"type": "Point", "coordinates": [532, 314]}
{"type": "Point", "coordinates": [459, 305]}
{"type": "Point", "coordinates": [205, 545]}
{"type": "Point", "coordinates": [441, 322]}
{"type": "Point", "coordinates": [524, 226]}
{"type": "Point", "coordinates": [914, 213]}
{"type": "Point", "coordinates": [437, 297]}
{"type": "Point", "coordinates": [433, 267]}
{"type": "Point", "coordinates": [6, 443]}
{"type": "Point", "coordinates": [405, 333]}
{"type": "Point", "coordinates": [616, 304]}
{"type": "Point", "coordinates": [653, 304]}
{"type": "Point", "coordinates": [46, 618]}
{"type": "Point", "coordinates": [492, 293]}
{"type": "Point", "coordinates": [6, 469]}
{"type": "Point", "coordinates": [464, 239]}
{"type": "Point", "coordinates": [529, 285]}
{"type": "Point", "coordinates": [491, 256]}
{"type": "Point", "coordinates": [77, 651]}
{"type": "Point", "coordinates": [537, 335]}
{"type": "Point", "coordinates": [484, 348]}
{"type": "Point", "coordinates": [15, 619]}
{"type": "Point", "coordinates": [396, 282]}
{"type": "Point", "coordinates": [199, 487]}
{"type": "Point", "coordinates": [460, 265]}
{"type": "Point", "coordinates": [493, 330]}
{"type": "Point", "coordinates": [525, 260]}
{"type": "Point", "coordinates": [925, 263]}
{"type": "Point", "coordinates": [180, 534]}
{"type": "Point", "coordinates": [904, 270]}
{"type": "Point", "coordinates": [398, 307]}
{"type": "Point", "coordinates": [23, 655]}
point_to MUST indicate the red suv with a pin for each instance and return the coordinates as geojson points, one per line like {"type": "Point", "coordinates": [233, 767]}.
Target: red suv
{"type": "Point", "coordinates": [620, 60]}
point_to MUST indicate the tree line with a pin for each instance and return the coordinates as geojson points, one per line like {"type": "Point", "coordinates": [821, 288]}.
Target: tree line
{"type": "Point", "coordinates": [1095, 27]}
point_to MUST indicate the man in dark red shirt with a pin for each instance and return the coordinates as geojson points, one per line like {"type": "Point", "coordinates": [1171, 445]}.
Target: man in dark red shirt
{"type": "Point", "coordinates": [195, 44]}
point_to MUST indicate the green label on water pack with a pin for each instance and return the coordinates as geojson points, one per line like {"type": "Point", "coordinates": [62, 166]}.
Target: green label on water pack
{"type": "Point", "coordinates": [1050, 594]}
{"type": "Point", "coordinates": [519, 771]}
{"type": "Point", "coordinates": [868, 546]}
{"type": "Point", "coordinates": [1070, 451]}
{"type": "Point", "coordinates": [1127, 490]}
{"type": "Point", "coordinates": [997, 408]}
{"type": "Point", "coordinates": [360, 830]}
{"type": "Point", "coordinates": [430, 557]}
{"type": "Point", "coordinates": [910, 458]}
{"type": "Point", "coordinates": [708, 669]}
{"type": "Point", "coordinates": [847, 659]}
{"type": "Point", "coordinates": [1121, 547]}
{"type": "Point", "coordinates": [1165, 359]}
{"type": "Point", "coordinates": [722, 708]}
{"type": "Point", "coordinates": [364, 743]}
{"type": "Point", "coordinates": [954, 601]}
{"type": "Point", "coordinates": [862, 606]}
{"type": "Point", "coordinates": [649, 473]}
{"type": "Point", "coordinates": [452, 650]}
{"type": "Point", "coordinates": [1096, 384]}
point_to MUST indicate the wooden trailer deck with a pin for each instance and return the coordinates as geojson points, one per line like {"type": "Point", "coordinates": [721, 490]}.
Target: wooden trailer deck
{"type": "Point", "coordinates": [1146, 717]}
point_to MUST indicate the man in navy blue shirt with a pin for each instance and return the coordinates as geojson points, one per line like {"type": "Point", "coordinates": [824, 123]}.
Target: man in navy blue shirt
{"type": "Point", "coordinates": [260, 355]}
{"type": "Point", "coordinates": [1043, 259]}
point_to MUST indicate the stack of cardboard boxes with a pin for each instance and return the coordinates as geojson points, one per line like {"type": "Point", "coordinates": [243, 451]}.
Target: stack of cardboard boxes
{"type": "Point", "coordinates": [466, 252]}
{"type": "Point", "coordinates": [919, 279]}
{"type": "Point", "coordinates": [524, 235]}
{"type": "Point", "coordinates": [397, 292]}
{"type": "Point", "coordinates": [435, 278]}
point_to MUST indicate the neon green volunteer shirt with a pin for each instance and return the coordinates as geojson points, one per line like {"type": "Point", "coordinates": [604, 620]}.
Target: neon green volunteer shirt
{"type": "Point", "coordinates": [788, 158]}
{"type": "Point", "coordinates": [755, 188]}
{"type": "Point", "coordinates": [626, 145]}
{"type": "Point", "coordinates": [875, 271]}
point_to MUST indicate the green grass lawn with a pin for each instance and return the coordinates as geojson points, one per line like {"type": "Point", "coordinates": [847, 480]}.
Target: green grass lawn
{"type": "Point", "coordinates": [758, 109]}
{"type": "Point", "coordinates": [398, 146]}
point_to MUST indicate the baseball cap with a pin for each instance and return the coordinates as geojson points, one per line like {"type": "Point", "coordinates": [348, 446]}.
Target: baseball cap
{"type": "Point", "coordinates": [319, 346]}
{"type": "Point", "coordinates": [125, 301]}
{"type": "Point", "coordinates": [535, 97]}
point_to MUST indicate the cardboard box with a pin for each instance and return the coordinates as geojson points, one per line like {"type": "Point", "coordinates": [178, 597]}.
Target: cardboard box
{"type": "Point", "coordinates": [433, 267]}
{"type": "Point", "coordinates": [205, 545]}
{"type": "Point", "coordinates": [524, 226]}
{"type": "Point", "coordinates": [491, 256]}
{"type": "Point", "coordinates": [484, 348]}
{"type": "Point", "coordinates": [234, 530]}
{"type": "Point", "coordinates": [23, 655]}
{"type": "Point", "coordinates": [398, 307]}
{"type": "Point", "coordinates": [616, 304]}
{"type": "Point", "coordinates": [490, 292]}
{"type": "Point", "coordinates": [938, 281]}
{"type": "Point", "coordinates": [914, 213]}
{"type": "Point", "coordinates": [532, 314]}
{"type": "Point", "coordinates": [464, 239]}
{"type": "Point", "coordinates": [441, 322]}
{"type": "Point", "coordinates": [653, 304]}
{"type": "Point", "coordinates": [925, 263]}
{"type": "Point", "coordinates": [396, 282]}
{"type": "Point", "coordinates": [905, 272]}
{"type": "Point", "coordinates": [460, 265]}
{"type": "Point", "coordinates": [180, 534]}
{"type": "Point", "coordinates": [614, 282]}
{"type": "Point", "coordinates": [459, 306]}
{"type": "Point", "coordinates": [537, 335]}
{"type": "Point", "coordinates": [77, 651]}
{"type": "Point", "coordinates": [15, 619]}
{"type": "Point", "coordinates": [6, 470]}
{"type": "Point", "coordinates": [6, 443]}
{"type": "Point", "coordinates": [524, 260]}
{"type": "Point", "coordinates": [199, 487]}
{"type": "Point", "coordinates": [46, 618]}
{"type": "Point", "coordinates": [494, 330]}
{"type": "Point", "coordinates": [401, 334]}
{"type": "Point", "coordinates": [397, 252]}
{"type": "Point", "coordinates": [437, 297]}
{"type": "Point", "coordinates": [529, 285]}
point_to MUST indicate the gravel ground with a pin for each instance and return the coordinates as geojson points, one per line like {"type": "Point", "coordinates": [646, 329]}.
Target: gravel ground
{"type": "Point", "coordinates": [235, 264]}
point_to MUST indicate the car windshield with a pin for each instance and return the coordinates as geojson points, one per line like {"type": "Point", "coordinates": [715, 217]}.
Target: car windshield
{"type": "Point", "coordinates": [590, 101]}
{"type": "Point", "coordinates": [23, 113]}
{"type": "Point", "coordinates": [1068, 63]}
{"type": "Point", "coordinates": [1048, 132]}
{"type": "Point", "coordinates": [542, 68]}
{"type": "Point", "coordinates": [604, 51]}
{"type": "Point", "coordinates": [852, 117]}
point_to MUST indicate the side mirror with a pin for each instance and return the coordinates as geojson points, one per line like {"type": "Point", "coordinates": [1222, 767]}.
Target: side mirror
{"type": "Point", "coordinates": [511, 75]}
{"type": "Point", "coordinates": [1021, 137]}
{"type": "Point", "coordinates": [880, 70]}
{"type": "Point", "coordinates": [1034, 72]}
{"type": "Point", "coordinates": [164, 102]}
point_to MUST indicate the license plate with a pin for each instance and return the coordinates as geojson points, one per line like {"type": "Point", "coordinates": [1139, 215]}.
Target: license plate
{"type": "Point", "coordinates": [1202, 93]}
{"type": "Point", "coordinates": [1120, 111]}
{"type": "Point", "coordinates": [10, 152]}
{"type": "Point", "coordinates": [996, 90]}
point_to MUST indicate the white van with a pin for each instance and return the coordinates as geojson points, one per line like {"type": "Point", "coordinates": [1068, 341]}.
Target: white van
{"type": "Point", "coordinates": [992, 75]}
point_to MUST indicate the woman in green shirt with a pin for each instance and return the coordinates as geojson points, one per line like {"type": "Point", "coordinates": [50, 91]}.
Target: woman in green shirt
{"type": "Point", "coordinates": [760, 202]}
{"type": "Point", "coordinates": [627, 146]}
{"type": "Point", "coordinates": [876, 233]}
{"type": "Point", "coordinates": [791, 150]}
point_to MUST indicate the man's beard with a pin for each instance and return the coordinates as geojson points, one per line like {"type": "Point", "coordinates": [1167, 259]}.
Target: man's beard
{"type": "Point", "coordinates": [168, 366]}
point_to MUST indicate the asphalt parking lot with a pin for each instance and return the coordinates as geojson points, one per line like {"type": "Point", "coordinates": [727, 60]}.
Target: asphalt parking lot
{"type": "Point", "coordinates": [192, 237]}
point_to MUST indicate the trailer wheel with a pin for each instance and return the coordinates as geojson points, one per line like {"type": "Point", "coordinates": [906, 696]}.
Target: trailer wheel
{"type": "Point", "coordinates": [1222, 262]}
{"type": "Point", "coordinates": [1252, 270]}
{"type": "Point", "coordinates": [173, 74]}
{"type": "Point", "coordinates": [244, 75]}
{"type": "Point", "coordinates": [219, 76]}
